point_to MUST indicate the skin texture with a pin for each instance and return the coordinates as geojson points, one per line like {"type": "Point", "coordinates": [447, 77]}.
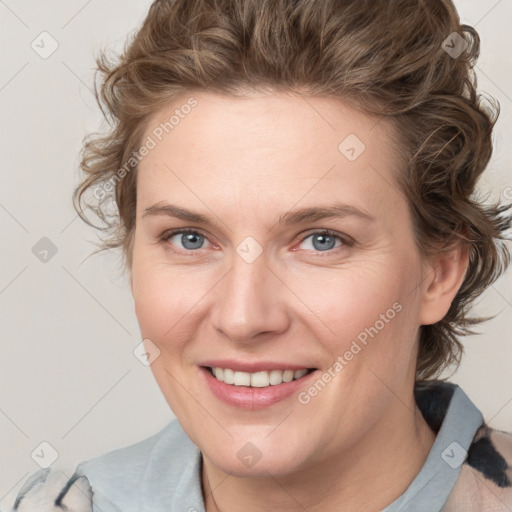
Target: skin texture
{"type": "Point", "coordinates": [359, 442]}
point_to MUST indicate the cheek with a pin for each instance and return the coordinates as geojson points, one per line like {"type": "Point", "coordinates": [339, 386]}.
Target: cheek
{"type": "Point", "coordinates": [163, 315]}
{"type": "Point", "coordinates": [151, 304]}
{"type": "Point", "coordinates": [157, 307]}
{"type": "Point", "coordinates": [368, 315]}
{"type": "Point", "coordinates": [347, 301]}
{"type": "Point", "coordinates": [169, 305]}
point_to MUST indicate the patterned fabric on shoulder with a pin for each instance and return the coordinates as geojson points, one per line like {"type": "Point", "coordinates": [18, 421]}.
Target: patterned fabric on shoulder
{"type": "Point", "coordinates": [485, 480]}
{"type": "Point", "coordinates": [50, 490]}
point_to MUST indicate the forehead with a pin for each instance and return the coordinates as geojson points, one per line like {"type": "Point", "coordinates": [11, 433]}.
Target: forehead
{"type": "Point", "coordinates": [272, 150]}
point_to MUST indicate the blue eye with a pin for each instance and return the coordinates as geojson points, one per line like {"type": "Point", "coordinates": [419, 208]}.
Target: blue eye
{"type": "Point", "coordinates": [190, 240]}
{"type": "Point", "coordinates": [321, 241]}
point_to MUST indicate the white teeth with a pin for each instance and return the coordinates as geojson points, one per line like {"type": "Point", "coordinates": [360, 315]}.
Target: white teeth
{"type": "Point", "coordinates": [275, 377]}
{"type": "Point", "coordinates": [258, 379]}
{"type": "Point", "coordinates": [287, 376]}
{"type": "Point", "coordinates": [229, 376]}
{"type": "Point", "coordinates": [242, 379]}
{"type": "Point", "coordinates": [299, 373]}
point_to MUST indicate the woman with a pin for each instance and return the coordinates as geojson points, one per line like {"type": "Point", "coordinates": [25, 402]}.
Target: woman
{"type": "Point", "coordinates": [294, 189]}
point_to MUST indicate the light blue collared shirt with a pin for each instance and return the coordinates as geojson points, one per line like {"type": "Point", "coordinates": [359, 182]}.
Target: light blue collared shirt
{"type": "Point", "coordinates": [162, 473]}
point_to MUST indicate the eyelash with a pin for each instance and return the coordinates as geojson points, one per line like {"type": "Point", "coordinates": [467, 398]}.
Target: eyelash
{"type": "Point", "coordinates": [346, 241]}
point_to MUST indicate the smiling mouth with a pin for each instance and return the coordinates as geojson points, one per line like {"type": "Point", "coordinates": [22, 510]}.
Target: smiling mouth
{"type": "Point", "coordinates": [257, 379]}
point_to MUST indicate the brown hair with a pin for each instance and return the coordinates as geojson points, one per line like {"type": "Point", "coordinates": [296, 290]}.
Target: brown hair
{"type": "Point", "coordinates": [390, 59]}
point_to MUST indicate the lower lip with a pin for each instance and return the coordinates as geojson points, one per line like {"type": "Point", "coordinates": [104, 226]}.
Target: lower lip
{"type": "Point", "coordinates": [253, 398]}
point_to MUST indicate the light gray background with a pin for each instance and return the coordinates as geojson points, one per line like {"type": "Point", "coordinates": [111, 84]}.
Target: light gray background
{"type": "Point", "coordinates": [67, 369]}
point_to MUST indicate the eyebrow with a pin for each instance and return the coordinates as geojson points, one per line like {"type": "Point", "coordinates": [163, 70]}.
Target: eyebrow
{"type": "Point", "coordinates": [301, 216]}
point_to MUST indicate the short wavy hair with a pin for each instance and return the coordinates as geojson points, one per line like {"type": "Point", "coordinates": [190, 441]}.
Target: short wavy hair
{"type": "Point", "coordinates": [389, 59]}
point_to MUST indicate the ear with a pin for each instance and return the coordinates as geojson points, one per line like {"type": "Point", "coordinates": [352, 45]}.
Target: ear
{"type": "Point", "coordinates": [443, 277]}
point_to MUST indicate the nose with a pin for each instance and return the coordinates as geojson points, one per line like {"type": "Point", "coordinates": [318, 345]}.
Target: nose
{"type": "Point", "coordinates": [250, 302]}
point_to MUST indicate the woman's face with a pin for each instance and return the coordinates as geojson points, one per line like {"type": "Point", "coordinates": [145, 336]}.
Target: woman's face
{"type": "Point", "coordinates": [259, 287]}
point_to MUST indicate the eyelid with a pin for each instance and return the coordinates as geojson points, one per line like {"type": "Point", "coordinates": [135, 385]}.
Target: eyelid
{"type": "Point", "coordinates": [169, 234]}
{"type": "Point", "coordinates": [346, 240]}
{"type": "Point", "coordinates": [325, 231]}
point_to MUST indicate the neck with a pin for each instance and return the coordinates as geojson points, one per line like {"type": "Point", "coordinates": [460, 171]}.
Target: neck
{"type": "Point", "coordinates": [369, 476]}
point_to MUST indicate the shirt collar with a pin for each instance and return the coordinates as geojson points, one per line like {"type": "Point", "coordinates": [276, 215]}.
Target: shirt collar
{"type": "Point", "coordinates": [163, 472]}
{"type": "Point", "coordinates": [447, 410]}
{"type": "Point", "coordinates": [450, 413]}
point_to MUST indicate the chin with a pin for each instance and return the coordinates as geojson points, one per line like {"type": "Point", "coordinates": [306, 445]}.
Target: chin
{"type": "Point", "coordinates": [244, 458]}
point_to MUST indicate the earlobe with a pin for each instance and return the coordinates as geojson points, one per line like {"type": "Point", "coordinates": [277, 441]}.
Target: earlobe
{"type": "Point", "coordinates": [445, 276]}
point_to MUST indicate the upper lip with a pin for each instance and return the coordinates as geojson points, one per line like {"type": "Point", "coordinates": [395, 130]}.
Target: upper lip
{"type": "Point", "coordinates": [254, 366]}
